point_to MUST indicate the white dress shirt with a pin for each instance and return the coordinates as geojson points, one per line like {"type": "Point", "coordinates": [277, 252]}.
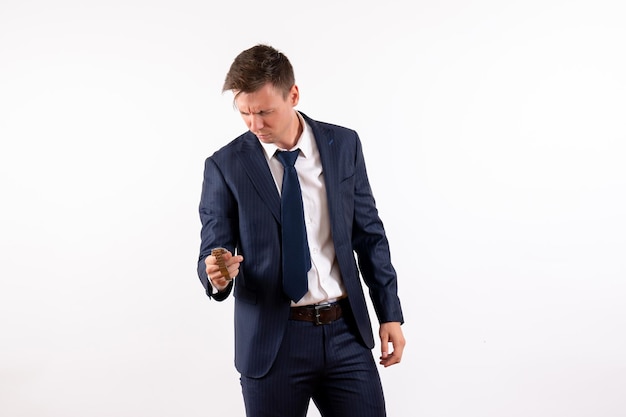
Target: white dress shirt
{"type": "Point", "coordinates": [324, 278]}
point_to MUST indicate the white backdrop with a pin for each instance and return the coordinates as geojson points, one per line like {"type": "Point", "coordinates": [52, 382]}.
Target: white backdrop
{"type": "Point", "coordinates": [494, 133]}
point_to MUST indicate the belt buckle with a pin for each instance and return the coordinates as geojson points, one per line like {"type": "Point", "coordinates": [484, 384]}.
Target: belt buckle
{"type": "Point", "coordinates": [318, 308]}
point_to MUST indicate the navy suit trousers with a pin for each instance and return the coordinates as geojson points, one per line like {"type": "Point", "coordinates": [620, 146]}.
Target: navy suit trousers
{"type": "Point", "coordinates": [325, 363]}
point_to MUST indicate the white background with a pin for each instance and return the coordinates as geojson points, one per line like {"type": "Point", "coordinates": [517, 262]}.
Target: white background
{"type": "Point", "coordinates": [494, 133]}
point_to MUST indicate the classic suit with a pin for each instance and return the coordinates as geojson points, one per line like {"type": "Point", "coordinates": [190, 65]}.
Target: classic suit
{"type": "Point", "coordinates": [240, 210]}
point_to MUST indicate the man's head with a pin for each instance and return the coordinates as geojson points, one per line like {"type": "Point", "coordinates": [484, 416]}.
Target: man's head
{"type": "Point", "coordinates": [265, 94]}
{"type": "Point", "coordinates": [253, 68]}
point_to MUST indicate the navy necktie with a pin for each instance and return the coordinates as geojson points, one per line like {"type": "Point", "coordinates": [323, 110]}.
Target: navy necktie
{"type": "Point", "coordinates": [296, 256]}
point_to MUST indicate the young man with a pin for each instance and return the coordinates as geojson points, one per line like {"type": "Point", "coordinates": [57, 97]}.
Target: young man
{"type": "Point", "coordinates": [302, 329]}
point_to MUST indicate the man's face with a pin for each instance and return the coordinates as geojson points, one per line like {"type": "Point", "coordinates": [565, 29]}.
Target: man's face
{"type": "Point", "coordinates": [270, 116]}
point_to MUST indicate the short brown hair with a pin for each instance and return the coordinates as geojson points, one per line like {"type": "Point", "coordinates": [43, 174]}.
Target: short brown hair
{"type": "Point", "coordinates": [255, 67]}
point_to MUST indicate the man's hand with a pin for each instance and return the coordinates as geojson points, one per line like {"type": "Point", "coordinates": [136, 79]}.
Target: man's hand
{"type": "Point", "coordinates": [391, 332]}
{"type": "Point", "coordinates": [213, 270]}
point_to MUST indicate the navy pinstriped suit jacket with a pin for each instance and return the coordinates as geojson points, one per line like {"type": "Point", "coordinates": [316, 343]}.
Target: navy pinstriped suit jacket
{"type": "Point", "coordinates": [240, 210]}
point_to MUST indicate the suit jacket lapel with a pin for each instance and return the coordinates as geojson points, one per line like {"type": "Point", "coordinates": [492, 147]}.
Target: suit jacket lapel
{"type": "Point", "coordinates": [324, 139]}
{"type": "Point", "coordinates": [325, 144]}
{"type": "Point", "coordinates": [254, 163]}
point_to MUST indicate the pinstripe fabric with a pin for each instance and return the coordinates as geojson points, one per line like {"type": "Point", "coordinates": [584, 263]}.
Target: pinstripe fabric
{"type": "Point", "coordinates": [326, 363]}
{"type": "Point", "coordinates": [240, 210]}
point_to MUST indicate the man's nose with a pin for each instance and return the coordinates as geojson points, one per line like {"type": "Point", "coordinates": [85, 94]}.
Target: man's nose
{"type": "Point", "coordinates": [256, 123]}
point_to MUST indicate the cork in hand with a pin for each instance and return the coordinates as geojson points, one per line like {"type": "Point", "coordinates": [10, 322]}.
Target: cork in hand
{"type": "Point", "coordinates": [218, 252]}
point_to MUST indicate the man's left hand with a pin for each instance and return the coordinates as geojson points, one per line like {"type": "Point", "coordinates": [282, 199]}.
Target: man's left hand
{"type": "Point", "coordinates": [391, 332]}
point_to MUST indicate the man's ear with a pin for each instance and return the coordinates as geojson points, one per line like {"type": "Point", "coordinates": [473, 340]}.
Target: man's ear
{"type": "Point", "coordinates": [294, 95]}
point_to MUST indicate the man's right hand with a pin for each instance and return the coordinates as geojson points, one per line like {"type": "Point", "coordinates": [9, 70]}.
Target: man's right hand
{"type": "Point", "coordinates": [213, 270]}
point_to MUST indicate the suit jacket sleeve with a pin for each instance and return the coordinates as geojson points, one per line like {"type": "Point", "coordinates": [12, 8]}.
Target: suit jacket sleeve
{"type": "Point", "coordinates": [218, 215]}
{"type": "Point", "coordinates": [370, 243]}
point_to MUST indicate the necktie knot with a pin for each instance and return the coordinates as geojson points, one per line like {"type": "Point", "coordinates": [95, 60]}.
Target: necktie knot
{"type": "Point", "coordinates": [288, 158]}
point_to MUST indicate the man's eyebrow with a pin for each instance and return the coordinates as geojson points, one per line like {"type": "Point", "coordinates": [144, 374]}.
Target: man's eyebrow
{"type": "Point", "coordinates": [256, 112]}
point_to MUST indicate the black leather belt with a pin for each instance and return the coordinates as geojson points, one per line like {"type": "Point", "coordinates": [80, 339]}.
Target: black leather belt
{"type": "Point", "coordinates": [319, 313]}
